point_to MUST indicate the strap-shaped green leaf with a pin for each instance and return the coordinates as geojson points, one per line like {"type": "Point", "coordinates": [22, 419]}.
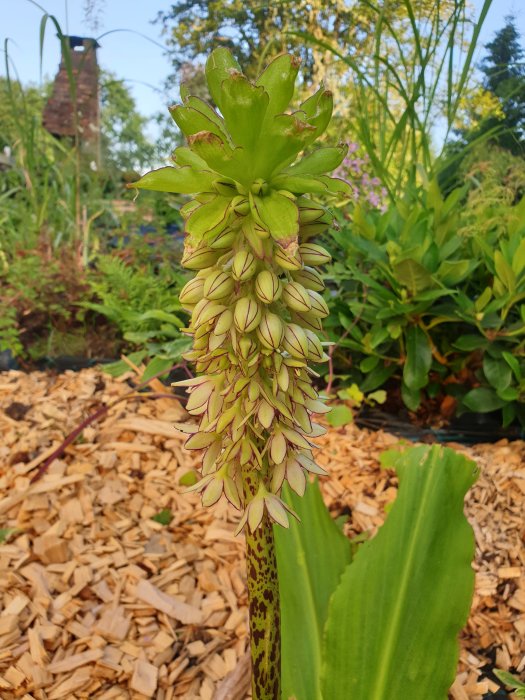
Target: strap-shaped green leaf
{"type": "Point", "coordinates": [184, 180]}
{"type": "Point", "coordinates": [393, 621]}
{"type": "Point", "coordinates": [311, 556]}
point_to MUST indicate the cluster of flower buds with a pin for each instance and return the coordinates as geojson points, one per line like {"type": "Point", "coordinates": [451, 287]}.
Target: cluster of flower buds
{"type": "Point", "coordinates": [255, 302]}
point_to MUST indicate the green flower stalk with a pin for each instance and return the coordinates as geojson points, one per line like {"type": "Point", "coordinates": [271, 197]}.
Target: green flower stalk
{"type": "Point", "coordinates": [255, 303]}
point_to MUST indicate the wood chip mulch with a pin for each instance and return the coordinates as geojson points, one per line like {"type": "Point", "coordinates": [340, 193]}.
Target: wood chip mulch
{"type": "Point", "coordinates": [98, 600]}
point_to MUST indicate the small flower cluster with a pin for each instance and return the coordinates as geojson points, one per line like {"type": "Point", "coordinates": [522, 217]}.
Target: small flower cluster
{"type": "Point", "coordinates": [255, 302]}
{"type": "Point", "coordinates": [353, 170]}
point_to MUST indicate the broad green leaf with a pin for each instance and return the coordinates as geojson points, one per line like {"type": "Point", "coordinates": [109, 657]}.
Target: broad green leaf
{"type": "Point", "coordinates": [518, 260]}
{"type": "Point", "coordinates": [321, 161]}
{"type": "Point", "coordinates": [504, 271]}
{"type": "Point", "coordinates": [156, 366]}
{"type": "Point", "coordinates": [278, 79]}
{"type": "Point", "coordinates": [311, 556]}
{"type": "Point", "coordinates": [497, 372]}
{"type": "Point", "coordinates": [411, 397]}
{"type": "Point", "coordinates": [483, 400]}
{"type": "Point", "coordinates": [278, 214]}
{"type": "Point", "coordinates": [469, 343]}
{"type": "Point", "coordinates": [412, 275]}
{"type": "Point", "coordinates": [183, 180]}
{"type": "Point", "coordinates": [244, 108]}
{"type": "Point", "coordinates": [451, 272]}
{"type": "Point", "coordinates": [339, 415]}
{"type": "Point", "coordinates": [116, 369]}
{"type": "Point", "coordinates": [219, 65]}
{"type": "Point", "coordinates": [513, 364]}
{"type": "Point", "coordinates": [418, 358]}
{"type": "Point", "coordinates": [393, 621]}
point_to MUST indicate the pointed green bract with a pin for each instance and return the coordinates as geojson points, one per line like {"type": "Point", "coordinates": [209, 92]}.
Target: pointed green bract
{"type": "Point", "coordinates": [184, 180]}
{"type": "Point", "coordinates": [218, 67]}
{"type": "Point", "coordinates": [278, 79]}
{"type": "Point", "coordinates": [244, 109]}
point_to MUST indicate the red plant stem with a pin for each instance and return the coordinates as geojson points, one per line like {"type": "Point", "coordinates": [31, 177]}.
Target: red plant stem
{"type": "Point", "coordinates": [98, 414]}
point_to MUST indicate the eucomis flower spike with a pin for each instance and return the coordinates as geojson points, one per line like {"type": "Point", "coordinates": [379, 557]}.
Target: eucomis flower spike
{"type": "Point", "coordinates": [255, 302]}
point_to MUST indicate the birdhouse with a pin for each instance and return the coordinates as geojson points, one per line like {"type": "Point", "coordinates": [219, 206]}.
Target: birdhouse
{"type": "Point", "coordinates": [74, 103]}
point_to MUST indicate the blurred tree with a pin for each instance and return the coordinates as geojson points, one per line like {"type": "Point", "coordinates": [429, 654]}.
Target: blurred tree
{"type": "Point", "coordinates": [256, 30]}
{"type": "Point", "coordinates": [504, 76]}
{"type": "Point", "coordinates": [124, 143]}
{"type": "Point", "coordinates": [15, 101]}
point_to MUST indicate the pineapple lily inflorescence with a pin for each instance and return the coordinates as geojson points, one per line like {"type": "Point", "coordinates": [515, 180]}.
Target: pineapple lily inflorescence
{"type": "Point", "coordinates": [255, 302]}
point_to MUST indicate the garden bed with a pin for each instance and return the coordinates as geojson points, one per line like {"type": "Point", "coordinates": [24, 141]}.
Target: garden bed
{"type": "Point", "coordinates": [100, 601]}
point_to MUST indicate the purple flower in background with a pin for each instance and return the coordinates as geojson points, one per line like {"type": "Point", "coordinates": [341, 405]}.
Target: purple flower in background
{"type": "Point", "coordinates": [366, 188]}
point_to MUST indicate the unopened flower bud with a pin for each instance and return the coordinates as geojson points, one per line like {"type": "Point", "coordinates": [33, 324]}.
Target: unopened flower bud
{"type": "Point", "coordinates": [224, 322]}
{"type": "Point", "coordinates": [247, 314]}
{"type": "Point", "coordinates": [247, 347]}
{"type": "Point", "coordinates": [315, 349]}
{"type": "Point", "coordinates": [286, 261]}
{"type": "Point", "coordinates": [319, 306]}
{"type": "Point", "coordinates": [218, 285]}
{"type": "Point", "coordinates": [223, 240]}
{"type": "Point", "coordinates": [267, 286]}
{"type": "Point", "coordinates": [295, 341]}
{"type": "Point", "coordinates": [307, 320]}
{"type": "Point", "coordinates": [243, 266]}
{"type": "Point", "coordinates": [270, 331]}
{"type": "Point", "coordinates": [199, 258]}
{"type": "Point", "coordinates": [309, 278]}
{"type": "Point", "coordinates": [192, 292]}
{"type": "Point", "coordinates": [295, 296]}
{"type": "Point", "coordinates": [313, 254]}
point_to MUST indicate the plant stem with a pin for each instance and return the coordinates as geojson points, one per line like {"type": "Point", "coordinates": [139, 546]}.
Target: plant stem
{"type": "Point", "coordinates": [265, 614]}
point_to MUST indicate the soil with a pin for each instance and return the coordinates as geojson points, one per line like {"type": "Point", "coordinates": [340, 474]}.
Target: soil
{"type": "Point", "coordinates": [102, 600]}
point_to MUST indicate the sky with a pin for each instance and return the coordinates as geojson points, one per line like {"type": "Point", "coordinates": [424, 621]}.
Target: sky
{"type": "Point", "coordinates": [142, 63]}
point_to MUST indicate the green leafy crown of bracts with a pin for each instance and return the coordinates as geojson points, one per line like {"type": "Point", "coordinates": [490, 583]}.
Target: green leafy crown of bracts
{"type": "Point", "coordinates": [255, 301]}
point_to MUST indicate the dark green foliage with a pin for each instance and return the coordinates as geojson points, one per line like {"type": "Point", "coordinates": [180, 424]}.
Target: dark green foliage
{"type": "Point", "coordinates": [504, 76]}
{"type": "Point", "coordinates": [431, 293]}
{"type": "Point", "coordinates": [142, 302]}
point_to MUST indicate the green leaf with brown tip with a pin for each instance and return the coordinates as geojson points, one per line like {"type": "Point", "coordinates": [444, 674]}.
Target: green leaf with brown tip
{"type": "Point", "coordinates": [244, 108]}
{"type": "Point", "coordinates": [278, 79]}
{"type": "Point", "coordinates": [218, 66]}
{"type": "Point", "coordinates": [191, 121]}
{"type": "Point", "coordinates": [219, 156]}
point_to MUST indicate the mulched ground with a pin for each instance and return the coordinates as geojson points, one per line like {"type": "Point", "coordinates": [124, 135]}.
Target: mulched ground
{"type": "Point", "coordinates": [97, 600]}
